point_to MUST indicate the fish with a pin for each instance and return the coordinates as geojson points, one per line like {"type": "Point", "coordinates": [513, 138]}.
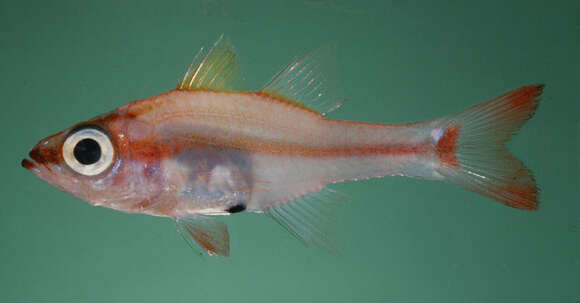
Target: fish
{"type": "Point", "coordinates": [208, 148]}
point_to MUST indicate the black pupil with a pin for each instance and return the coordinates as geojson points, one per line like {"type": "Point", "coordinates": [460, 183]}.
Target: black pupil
{"type": "Point", "coordinates": [87, 151]}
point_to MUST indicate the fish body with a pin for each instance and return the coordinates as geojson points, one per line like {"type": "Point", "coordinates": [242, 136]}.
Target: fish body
{"type": "Point", "coordinates": [202, 150]}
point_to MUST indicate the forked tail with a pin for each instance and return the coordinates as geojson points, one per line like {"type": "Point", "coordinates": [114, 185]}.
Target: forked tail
{"type": "Point", "coordinates": [472, 152]}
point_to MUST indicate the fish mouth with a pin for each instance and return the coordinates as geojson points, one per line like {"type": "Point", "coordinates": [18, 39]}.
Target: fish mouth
{"type": "Point", "coordinates": [30, 165]}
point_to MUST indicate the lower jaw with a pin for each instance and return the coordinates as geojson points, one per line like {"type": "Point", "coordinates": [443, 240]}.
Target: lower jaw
{"type": "Point", "coordinates": [29, 165]}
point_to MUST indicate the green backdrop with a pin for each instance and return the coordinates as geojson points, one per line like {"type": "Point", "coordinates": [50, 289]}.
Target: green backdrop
{"type": "Point", "coordinates": [403, 240]}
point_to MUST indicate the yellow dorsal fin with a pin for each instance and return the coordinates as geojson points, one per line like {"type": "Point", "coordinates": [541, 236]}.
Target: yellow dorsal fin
{"type": "Point", "coordinates": [213, 69]}
{"type": "Point", "coordinates": [305, 82]}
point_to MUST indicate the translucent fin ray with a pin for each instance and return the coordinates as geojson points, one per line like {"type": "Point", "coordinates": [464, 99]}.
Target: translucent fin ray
{"type": "Point", "coordinates": [309, 218]}
{"type": "Point", "coordinates": [215, 69]}
{"type": "Point", "coordinates": [305, 82]}
{"type": "Point", "coordinates": [471, 147]}
{"type": "Point", "coordinates": [209, 234]}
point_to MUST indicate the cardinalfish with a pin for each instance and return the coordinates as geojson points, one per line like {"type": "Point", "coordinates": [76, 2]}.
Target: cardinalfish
{"type": "Point", "coordinates": [206, 149]}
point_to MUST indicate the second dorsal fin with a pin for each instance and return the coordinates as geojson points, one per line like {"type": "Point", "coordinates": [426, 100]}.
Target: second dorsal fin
{"type": "Point", "coordinates": [305, 82]}
{"type": "Point", "coordinates": [213, 69]}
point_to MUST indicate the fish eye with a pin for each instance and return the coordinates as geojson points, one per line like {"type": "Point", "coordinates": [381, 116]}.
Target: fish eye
{"type": "Point", "coordinates": [88, 151]}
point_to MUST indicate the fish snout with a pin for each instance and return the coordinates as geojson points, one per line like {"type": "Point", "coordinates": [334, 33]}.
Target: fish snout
{"type": "Point", "coordinates": [42, 153]}
{"type": "Point", "coordinates": [36, 155]}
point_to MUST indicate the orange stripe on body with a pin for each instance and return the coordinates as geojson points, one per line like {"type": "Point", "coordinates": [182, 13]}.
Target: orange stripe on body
{"type": "Point", "coordinates": [295, 149]}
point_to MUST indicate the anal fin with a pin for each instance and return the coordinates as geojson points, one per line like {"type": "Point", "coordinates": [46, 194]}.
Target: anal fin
{"type": "Point", "coordinates": [209, 233]}
{"type": "Point", "coordinates": [310, 218]}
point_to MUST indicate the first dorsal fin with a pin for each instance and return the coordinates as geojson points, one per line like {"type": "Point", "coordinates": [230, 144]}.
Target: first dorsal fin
{"type": "Point", "coordinates": [213, 69]}
{"type": "Point", "coordinates": [305, 82]}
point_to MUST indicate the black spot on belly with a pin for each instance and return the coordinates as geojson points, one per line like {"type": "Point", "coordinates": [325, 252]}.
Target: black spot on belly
{"type": "Point", "coordinates": [236, 208]}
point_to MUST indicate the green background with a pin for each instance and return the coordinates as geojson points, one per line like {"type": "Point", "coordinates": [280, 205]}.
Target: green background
{"type": "Point", "coordinates": [403, 240]}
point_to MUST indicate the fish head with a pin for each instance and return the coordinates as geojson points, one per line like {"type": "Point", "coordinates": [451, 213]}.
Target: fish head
{"type": "Point", "coordinates": [90, 160]}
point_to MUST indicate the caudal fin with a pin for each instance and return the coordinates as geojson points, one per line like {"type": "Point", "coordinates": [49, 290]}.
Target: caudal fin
{"type": "Point", "coordinates": [472, 152]}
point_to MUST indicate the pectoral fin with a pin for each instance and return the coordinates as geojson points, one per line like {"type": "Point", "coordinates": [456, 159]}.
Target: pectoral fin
{"type": "Point", "coordinates": [209, 233]}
